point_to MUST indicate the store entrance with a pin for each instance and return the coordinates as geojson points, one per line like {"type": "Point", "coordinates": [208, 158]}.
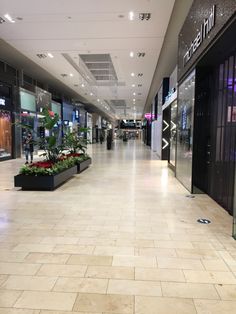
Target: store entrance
{"type": "Point", "coordinates": [215, 131]}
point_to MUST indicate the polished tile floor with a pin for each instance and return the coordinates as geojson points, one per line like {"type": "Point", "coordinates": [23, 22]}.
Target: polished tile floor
{"type": "Point", "coordinates": [119, 238]}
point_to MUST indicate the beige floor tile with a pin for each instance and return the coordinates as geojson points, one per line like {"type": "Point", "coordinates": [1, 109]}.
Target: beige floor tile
{"type": "Point", "coordinates": [9, 256]}
{"type": "Point", "coordinates": [215, 307]}
{"type": "Point", "coordinates": [59, 240]}
{"type": "Point", "coordinates": [114, 250]}
{"type": "Point", "coordinates": [201, 276]}
{"type": "Point", "coordinates": [136, 243]}
{"type": "Point", "coordinates": [110, 272]}
{"type": "Point", "coordinates": [62, 270]}
{"type": "Point", "coordinates": [218, 265]}
{"type": "Point", "coordinates": [44, 248]}
{"type": "Point", "coordinates": [3, 278]}
{"type": "Point", "coordinates": [227, 292]}
{"type": "Point", "coordinates": [85, 285]}
{"type": "Point", "coordinates": [179, 263]}
{"type": "Point", "coordinates": [29, 283]}
{"type": "Point", "coordinates": [46, 300]}
{"type": "Point", "coordinates": [134, 287]}
{"type": "Point", "coordinates": [47, 258]}
{"type": "Point", "coordinates": [197, 253]}
{"type": "Point", "coordinates": [134, 261]}
{"type": "Point", "coordinates": [158, 305]}
{"type": "Point", "coordinates": [159, 252]}
{"type": "Point", "coordinates": [90, 260]}
{"type": "Point", "coordinates": [18, 268]}
{"type": "Point", "coordinates": [18, 311]}
{"type": "Point", "coordinates": [73, 249]}
{"type": "Point", "coordinates": [66, 312]}
{"type": "Point", "coordinates": [108, 303]}
{"type": "Point", "coordinates": [189, 290]}
{"type": "Point", "coordinates": [174, 244]}
{"type": "Point", "coordinates": [8, 298]}
{"type": "Point", "coordinates": [159, 274]}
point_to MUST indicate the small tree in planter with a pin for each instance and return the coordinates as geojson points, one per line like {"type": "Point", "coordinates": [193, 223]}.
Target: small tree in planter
{"type": "Point", "coordinates": [55, 169]}
{"type": "Point", "coordinates": [77, 148]}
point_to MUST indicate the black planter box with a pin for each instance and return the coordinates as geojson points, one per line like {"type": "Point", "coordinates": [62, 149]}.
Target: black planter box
{"type": "Point", "coordinates": [49, 183]}
{"type": "Point", "coordinates": [83, 165]}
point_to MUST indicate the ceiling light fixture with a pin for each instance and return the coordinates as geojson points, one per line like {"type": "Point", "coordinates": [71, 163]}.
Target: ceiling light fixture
{"type": "Point", "coordinates": [82, 85]}
{"type": "Point", "coordinates": [131, 54]}
{"type": "Point", "coordinates": [144, 16]}
{"type": "Point", "coordinates": [41, 55]}
{"type": "Point", "coordinates": [134, 94]}
{"type": "Point", "coordinates": [98, 99]}
{"type": "Point", "coordinates": [132, 74]}
{"type": "Point", "coordinates": [9, 18]}
{"type": "Point", "coordinates": [131, 15]}
{"type": "Point", "coordinates": [133, 99]}
{"type": "Point", "coordinates": [141, 54]}
{"type": "Point", "coordinates": [50, 55]}
{"type": "Point", "coordinates": [71, 74]}
{"type": "Point", "coordinates": [91, 94]}
{"type": "Point", "coordinates": [133, 85]}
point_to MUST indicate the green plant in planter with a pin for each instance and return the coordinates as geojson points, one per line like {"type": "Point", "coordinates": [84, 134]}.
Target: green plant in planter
{"type": "Point", "coordinates": [50, 143]}
{"type": "Point", "coordinates": [74, 143]}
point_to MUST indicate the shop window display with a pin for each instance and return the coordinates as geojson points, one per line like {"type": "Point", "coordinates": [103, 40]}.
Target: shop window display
{"type": "Point", "coordinates": [5, 134]}
{"type": "Point", "coordinates": [173, 123]}
{"type": "Point", "coordinates": [185, 131]}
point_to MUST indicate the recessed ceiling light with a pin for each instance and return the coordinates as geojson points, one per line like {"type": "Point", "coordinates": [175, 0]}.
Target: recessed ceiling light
{"type": "Point", "coordinates": [91, 94]}
{"type": "Point", "coordinates": [134, 94]}
{"type": "Point", "coordinates": [131, 54]}
{"type": "Point", "coordinates": [82, 85]}
{"type": "Point", "coordinates": [131, 15]}
{"type": "Point", "coordinates": [133, 85]}
{"type": "Point", "coordinates": [9, 18]}
{"type": "Point", "coordinates": [50, 55]}
{"type": "Point", "coordinates": [71, 74]}
{"type": "Point", "coordinates": [132, 74]}
{"type": "Point", "coordinates": [133, 99]}
{"type": "Point", "coordinates": [98, 99]}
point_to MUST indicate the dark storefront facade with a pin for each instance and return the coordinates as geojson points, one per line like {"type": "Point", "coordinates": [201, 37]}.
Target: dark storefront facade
{"type": "Point", "coordinates": [206, 122]}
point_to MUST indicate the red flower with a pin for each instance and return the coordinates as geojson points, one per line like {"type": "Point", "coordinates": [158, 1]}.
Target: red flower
{"type": "Point", "coordinates": [73, 155]}
{"type": "Point", "coordinates": [42, 164]}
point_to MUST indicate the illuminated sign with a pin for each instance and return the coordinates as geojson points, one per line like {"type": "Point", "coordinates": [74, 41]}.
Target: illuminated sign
{"type": "Point", "coordinates": [205, 29]}
{"type": "Point", "coordinates": [2, 102]}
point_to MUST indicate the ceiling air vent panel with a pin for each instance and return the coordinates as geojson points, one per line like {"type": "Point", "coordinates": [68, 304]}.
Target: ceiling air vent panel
{"type": "Point", "coordinates": [100, 66]}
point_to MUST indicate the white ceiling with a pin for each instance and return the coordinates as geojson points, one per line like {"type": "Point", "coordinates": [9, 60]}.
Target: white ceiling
{"type": "Point", "coordinates": [74, 27]}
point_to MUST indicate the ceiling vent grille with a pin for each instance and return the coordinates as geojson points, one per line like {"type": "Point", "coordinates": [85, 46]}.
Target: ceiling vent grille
{"type": "Point", "coordinates": [2, 20]}
{"type": "Point", "coordinates": [100, 66]}
{"type": "Point", "coordinates": [118, 103]}
{"type": "Point", "coordinates": [144, 16]}
{"type": "Point", "coordinates": [41, 55]}
{"type": "Point", "coordinates": [64, 75]}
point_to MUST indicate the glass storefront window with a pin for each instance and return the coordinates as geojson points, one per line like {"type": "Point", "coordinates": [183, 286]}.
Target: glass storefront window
{"type": "Point", "coordinates": [173, 122]}
{"type": "Point", "coordinates": [5, 134]}
{"type": "Point", "coordinates": [185, 131]}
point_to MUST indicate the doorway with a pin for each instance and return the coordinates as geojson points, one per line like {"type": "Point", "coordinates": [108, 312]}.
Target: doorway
{"type": "Point", "coordinates": [215, 131]}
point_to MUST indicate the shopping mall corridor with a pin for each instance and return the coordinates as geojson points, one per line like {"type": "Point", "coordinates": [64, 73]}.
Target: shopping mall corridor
{"type": "Point", "coordinates": [121, 238]}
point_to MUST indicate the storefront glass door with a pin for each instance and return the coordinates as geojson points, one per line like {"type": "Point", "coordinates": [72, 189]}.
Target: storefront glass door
{"type": "Point", "coordinates": [5, 134]}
